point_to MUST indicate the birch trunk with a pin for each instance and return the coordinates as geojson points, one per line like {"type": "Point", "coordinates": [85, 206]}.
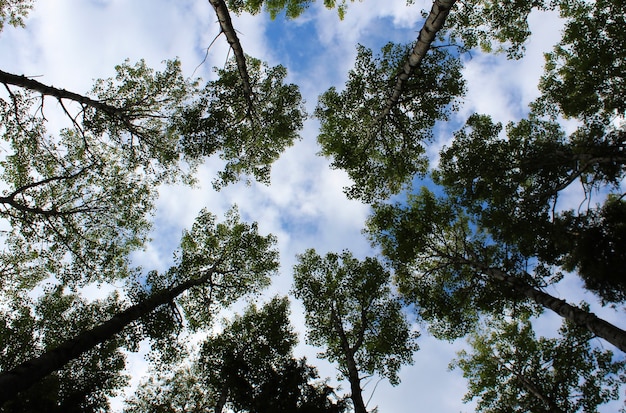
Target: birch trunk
{"type": "Point", "coordinates": [226, 25]}
{"type": "Point", "coordinates": [437, 17]}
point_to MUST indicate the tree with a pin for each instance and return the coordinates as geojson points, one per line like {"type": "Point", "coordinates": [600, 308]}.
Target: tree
{"type": "Point", "coordinates": [217, 263]}
{"type": "Point", "coordinates": [515, 194]}
{"type": "Point", "coordinates": [87, 194]}
{"type": "Point", "coordinates": [510, 369]}
{"type": "Point", "coordinates": [377, 127]}
{"type": "Point", "coordinates": [249, 367]}
{"type": "Point", "coordinates": [86, 382]}
{"type": "Point", "coordinates": [452, 271]}
{"type": "Point", "coordinates": [351, 311]}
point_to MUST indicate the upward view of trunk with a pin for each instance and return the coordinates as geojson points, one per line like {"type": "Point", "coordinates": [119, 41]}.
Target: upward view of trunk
{"type": "Point", "coordinates": [437, 17]}
{"type": "Point", "coordinates": [356, 394]}
{"type": "Point", "coordinates": [590, 321]}
{"type": "Point", "coordinates": [28, 373]}
{"type": "Point", "coordinates": [226, 24]}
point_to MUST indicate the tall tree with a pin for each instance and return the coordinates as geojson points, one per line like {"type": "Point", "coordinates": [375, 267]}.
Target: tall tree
{"type": "Point", "coordinates": [510, 369]}
{"type": "Point", "coordinates": [515, 194]}
{"type": "Point", "coordinates": [84, 384]}
{"type": "Point", "coordinates": [377, 127]}
{"type": "Point", "coordinates": [453, 271]}
{"type": "Point", "coordinates": [248, 367]}
{"type": "Point", "coordinates": [217, 263]}
{"type": "Point", "coordinates": [87, 194]}
{"type": "Point", "coordinates": [351, 311]}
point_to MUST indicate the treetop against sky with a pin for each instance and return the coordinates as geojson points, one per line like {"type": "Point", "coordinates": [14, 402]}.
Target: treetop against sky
{"type": "Point", "coordinates": [118, 206]}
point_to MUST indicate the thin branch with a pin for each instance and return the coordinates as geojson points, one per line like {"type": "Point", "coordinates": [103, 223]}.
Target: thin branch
{"type": "Point", "coordinates": [206, 55]}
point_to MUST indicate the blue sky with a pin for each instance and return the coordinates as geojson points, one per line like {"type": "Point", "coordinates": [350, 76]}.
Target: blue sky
{"type": "Point", "coordinates": [69, 43]}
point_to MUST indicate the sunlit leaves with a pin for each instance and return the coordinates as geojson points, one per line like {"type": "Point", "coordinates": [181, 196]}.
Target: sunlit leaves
{"type": "Point", "coordinates": [381, 153]}
{"type": "Point", "coordinates": [14, 12]}
{"type": "Point", "coordinates": [74, 207]}
{"type": "Point", "coordinates": [147, 102]}
{"type": "Point", "coordinates": [239, 260]}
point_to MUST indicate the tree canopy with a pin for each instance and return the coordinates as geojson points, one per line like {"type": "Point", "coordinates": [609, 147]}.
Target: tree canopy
{"type": "Point", "coordinates": [478, 226]}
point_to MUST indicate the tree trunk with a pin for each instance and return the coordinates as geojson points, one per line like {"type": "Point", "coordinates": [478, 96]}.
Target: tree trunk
{"type": "Point", "coordinates": [353, 372]}
{"type": "Point", "coordinates": [226, 24]}
{"type": "Point", "coordinates": [590, 321]}
{"type": "Point", "coordinates": [437, 17]}
{"type": "Point", "coordinates": [355, 384]}
{"type": "Point", "coordinates": [28, 373]}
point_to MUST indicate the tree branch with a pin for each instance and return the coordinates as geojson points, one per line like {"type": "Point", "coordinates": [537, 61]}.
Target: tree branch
{"type": "Point", "coordinates": [437, 17]}
{"type": "Point", "coordinates": [35, 86]}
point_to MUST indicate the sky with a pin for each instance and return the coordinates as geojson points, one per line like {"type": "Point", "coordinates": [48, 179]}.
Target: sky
{"type": "Point", "coordinates": [70, 43]}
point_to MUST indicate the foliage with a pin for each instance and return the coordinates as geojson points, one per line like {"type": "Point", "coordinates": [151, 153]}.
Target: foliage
{"type": "Point", "coordinates": [349, 302]}
{"type": "Point", "coordinates": [14, 12]}
{"type": "Point", "coordinates": [221, 261]}
{"type": "Point", "coordinates": [430, 241]}
{"type": "Point", "coordinates": [75, 209]}
{"type": "Point", "coordinates": [147, 102]}
{"type": "Point", "coordinates": [597, 252]}
{"type": "Point", "coordinates": [510, 369]}
{"type": "Point", "coordinates": [585, 73]}
{"type": "Point", "coordinates": [249, 366]}
{"type": "Point", "coordinates": [179, 392]}
{"type": "Point", "coordinates": [515, 195]}
{"type": "Point", "coordinates": [500, 26]}
{"type": "Point", "coordinates": [85, 384]}
{"type": "Point", "coordinates": [292, 8]}
{"type": "Point", "coordinates": [79, 203]}
{"type": "Point", "coordinates": [383, 154]}
{"type": "Point", "coordinates": [219, 120]}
